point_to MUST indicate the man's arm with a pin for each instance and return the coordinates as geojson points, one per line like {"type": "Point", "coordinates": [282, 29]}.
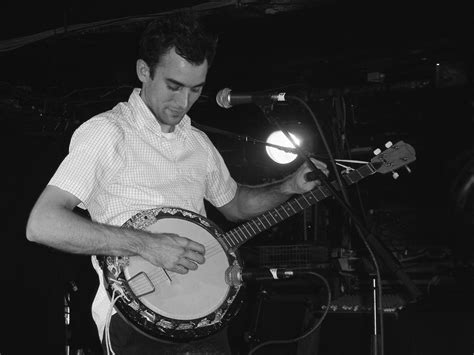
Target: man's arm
{"type": "Point", "coordinates": [52, 222]}
{"type": "Point", "coordinates": [251, 201]}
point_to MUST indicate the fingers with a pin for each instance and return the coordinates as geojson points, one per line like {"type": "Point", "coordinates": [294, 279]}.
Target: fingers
{"type": "Point", "coordinates": [305, 179]}
{"type": "Point", "coordinates": [179, 269]}
{"type": "Point", "coordinates": [321, 166]}
{"type": "Point", "coordinates": [179, 254]}
{"type": "Point", "coordinates": [310, 176]}
{"type": "Point", "coordinates": [196, 247]}
{"type": "Point", "coordinates": [192, 250]}
{"type": "Point", "coordinates": [191, 258]}
{"type": "Point", "coordinates": [188, 262]}
{"type": "Point", "coordinates": [195, 257]}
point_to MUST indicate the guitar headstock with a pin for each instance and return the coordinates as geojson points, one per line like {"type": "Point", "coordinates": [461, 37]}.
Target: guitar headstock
{"type": "Point", "coordinates": [394, 157]}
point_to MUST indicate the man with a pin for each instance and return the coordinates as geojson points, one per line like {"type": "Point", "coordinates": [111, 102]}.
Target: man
{"type": "Point", "coordinates": [142, 154]}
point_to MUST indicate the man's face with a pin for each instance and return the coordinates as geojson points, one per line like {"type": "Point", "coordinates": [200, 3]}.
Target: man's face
{"type": "Point", "coordinates": [174, 88]}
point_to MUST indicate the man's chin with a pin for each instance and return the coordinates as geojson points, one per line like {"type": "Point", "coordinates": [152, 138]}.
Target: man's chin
{"type": "Point", "coordinates": [175, 116]}
{"type": "Point", "coordinates": [174, 120]}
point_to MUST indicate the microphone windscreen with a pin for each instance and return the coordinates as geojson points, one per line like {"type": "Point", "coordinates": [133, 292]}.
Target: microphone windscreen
{"type": "Point", "coordinates": [223, 98]}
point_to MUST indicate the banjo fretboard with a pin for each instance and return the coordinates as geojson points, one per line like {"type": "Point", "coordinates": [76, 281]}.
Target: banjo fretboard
{"type": "Point", "coordinates": [241, 234]}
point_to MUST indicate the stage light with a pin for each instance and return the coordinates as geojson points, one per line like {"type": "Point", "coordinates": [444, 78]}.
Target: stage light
{"type": "Point", "coordinates": [278, 155]}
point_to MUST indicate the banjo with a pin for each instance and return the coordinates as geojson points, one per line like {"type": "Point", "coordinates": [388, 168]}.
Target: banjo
{"type": "Point", "coordinates": [172, 307]}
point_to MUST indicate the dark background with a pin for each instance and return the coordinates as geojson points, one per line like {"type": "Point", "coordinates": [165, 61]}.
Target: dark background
{"type": "Point", "coordinates": [370, 71]}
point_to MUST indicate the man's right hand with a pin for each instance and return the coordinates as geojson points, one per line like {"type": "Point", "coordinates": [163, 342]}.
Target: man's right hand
{"type": "Point", "coordinates": [173, 252]}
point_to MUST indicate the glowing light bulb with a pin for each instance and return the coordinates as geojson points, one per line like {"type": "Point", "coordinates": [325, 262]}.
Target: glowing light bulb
{"type": "Point", "coordinates": [278, 155]}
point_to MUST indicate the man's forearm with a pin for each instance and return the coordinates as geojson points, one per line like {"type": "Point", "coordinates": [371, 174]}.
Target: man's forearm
{"type": "Point", "coordinates": [254, 200]}
{"type": "Point", "coordinates": [62, 229]}
{"type": "Point", "coordinates": [258, 199]}
{"type": "Point", "coordinates": [251, 201]}
{"type": "Point", "coordinates": [52, 222]}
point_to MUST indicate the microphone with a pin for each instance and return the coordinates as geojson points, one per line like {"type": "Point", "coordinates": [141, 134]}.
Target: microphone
{"type": "Point", "coordinates": [235, 275]}
{"type": "Point", "coordinates": [226, 99]}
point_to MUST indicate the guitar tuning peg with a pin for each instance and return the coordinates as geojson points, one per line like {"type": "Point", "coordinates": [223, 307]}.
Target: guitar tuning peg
{"type": "Point", "coordinates": [395, 175]}
{"type": "Point", "coordinates": [388, 144]}
{"type": "Point", "coordinates": [377, 151]}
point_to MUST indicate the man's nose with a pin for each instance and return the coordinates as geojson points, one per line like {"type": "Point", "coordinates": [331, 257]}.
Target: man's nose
{"type": "Point", "coordinates": [182, 98]}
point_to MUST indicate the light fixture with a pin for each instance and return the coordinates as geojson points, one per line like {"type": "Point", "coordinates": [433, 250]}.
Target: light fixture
{"type": "Point", "coordinates": [278, 155]}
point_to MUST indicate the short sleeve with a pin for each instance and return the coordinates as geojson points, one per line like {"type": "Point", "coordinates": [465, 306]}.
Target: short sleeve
{"type": "Point", "coordinates": [220, 186]}
{"type": "Point", "coordinates": [95, 155]}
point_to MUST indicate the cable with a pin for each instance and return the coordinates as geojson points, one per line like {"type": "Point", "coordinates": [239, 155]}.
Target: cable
{"type": "Point", "coordinates": [108, 343]}
{"type": "Point", "coordinates": [342, 200]}
{"type": "Point", "coordinates": [15, 43]}
{"type": "Point", "coordinates": [311, 330]}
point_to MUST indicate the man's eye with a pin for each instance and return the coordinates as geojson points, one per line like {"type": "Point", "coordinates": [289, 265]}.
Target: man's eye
{"type": "Point", "coordinates": [173, 88]}
{"type": "Point", "coordinates": [196, 90]}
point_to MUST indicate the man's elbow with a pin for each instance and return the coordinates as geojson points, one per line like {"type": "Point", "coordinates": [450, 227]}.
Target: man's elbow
{"type": "Point", "coordinates": [47, 212]}
{"type": "Point", "coordinates": [235, 218]}
{"type": "Point", "coordinates": [38, 223]}
{"type": "Point", "coordinates": [32, 227]}
{"type": "Point", "coordinates": [232, 213]}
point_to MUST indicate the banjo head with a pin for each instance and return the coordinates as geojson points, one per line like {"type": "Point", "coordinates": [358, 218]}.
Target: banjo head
{"type": "Point", "coordinates": [169, 306]}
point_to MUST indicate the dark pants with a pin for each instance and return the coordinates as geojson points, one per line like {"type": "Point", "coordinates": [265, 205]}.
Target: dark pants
{"type": "Point", "coordinates": [128, 341]}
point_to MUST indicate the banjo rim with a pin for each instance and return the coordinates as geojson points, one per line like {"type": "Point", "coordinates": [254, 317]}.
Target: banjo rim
{"type": "Point", "coordinates": [149, 322]}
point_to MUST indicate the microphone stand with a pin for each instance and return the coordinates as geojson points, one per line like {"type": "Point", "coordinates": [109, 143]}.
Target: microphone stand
{"type": "Point", "coordinates": [267, 110]}
{"type": "Point", "coordinates": [367, 237]}
{"type": "Point", "coordinates": [246, 139]}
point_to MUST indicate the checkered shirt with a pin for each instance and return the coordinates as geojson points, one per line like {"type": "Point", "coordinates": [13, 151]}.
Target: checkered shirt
{"type": "Point", "coordinates": [121, 163]}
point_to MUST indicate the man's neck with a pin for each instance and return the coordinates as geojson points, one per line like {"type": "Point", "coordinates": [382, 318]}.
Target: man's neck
{"type": "Point", "coordinates": [166, 128]}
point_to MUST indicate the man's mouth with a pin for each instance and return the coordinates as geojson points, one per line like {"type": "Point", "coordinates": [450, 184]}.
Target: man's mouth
{"type": "Point", "coordinates": [176, 113]}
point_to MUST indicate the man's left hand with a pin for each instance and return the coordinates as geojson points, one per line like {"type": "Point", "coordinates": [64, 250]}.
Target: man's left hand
{"type": "Point", "coordinates": [297, 182]}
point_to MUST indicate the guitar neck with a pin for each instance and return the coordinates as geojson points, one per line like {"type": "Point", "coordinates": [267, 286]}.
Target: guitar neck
{"type": "Point", "coordinates": [234, 238]}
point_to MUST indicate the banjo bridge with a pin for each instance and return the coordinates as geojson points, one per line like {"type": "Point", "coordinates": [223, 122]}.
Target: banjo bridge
{"type": "Point", "coordinates": [141, 284]}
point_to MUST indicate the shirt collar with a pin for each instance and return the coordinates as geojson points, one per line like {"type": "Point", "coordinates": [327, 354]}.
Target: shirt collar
{"type": "Point", "coordinates": [145, 118]}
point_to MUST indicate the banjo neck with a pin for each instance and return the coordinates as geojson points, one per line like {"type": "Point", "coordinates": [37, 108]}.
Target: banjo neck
{"type": "Point", "coordinates": [236, 237]}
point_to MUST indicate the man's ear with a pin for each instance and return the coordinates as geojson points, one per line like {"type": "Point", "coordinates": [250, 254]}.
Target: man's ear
{"type": "Point", "coordinates": [143, 71]}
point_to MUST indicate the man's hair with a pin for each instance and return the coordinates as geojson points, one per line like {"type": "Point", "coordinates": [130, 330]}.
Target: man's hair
{"type": "Point", "coordinates": [181, 31]}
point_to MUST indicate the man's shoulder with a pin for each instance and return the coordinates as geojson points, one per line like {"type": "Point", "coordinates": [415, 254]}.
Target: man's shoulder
{"type": "Point", "coordinates": [201, 137]}
{"type": "Point", "coordinates": [196, 131]}
{"type": "Point", "coordinates": [106, 126]}
{"type": "Point", "coordinates": [113, 119]}
{"type": "Point", "coordinates": [199, 134]}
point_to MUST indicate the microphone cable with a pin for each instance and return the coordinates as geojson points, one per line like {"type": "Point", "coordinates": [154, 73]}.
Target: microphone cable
{"type": "Point", "coordinates": [310, 330]}
{"type": "Point", "coordinates": [359, 225]}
